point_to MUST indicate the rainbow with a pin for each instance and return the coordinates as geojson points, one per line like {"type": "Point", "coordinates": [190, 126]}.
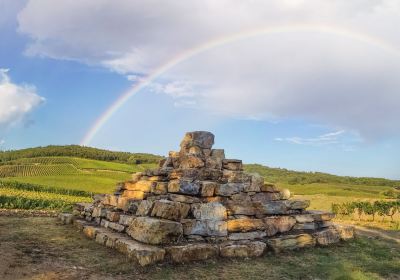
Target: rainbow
{"type": "Point", "coordinates": [217, 42]}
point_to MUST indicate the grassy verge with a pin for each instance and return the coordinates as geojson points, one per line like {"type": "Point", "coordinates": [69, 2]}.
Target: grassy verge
{"type": "Point", "coordinates": [62, 248]}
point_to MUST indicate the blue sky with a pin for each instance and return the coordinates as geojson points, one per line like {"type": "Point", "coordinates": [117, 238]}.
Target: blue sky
{"type": "Point", "coordinates": [304, 85]}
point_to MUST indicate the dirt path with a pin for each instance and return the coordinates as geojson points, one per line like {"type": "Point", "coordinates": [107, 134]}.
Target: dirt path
{"type": "Point", "coordinates": [388, 235]}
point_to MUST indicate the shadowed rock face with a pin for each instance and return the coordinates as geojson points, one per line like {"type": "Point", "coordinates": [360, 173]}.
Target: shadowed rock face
{"type": "Point", "coordinates": [198, 205]}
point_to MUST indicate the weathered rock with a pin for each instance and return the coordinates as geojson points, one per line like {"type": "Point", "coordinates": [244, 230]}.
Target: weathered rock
{"type": "Point", "coordinates": [265, 197]}
{"type": "Point", "coordinates": [272, 207]}
{"type": "Point", "coordinates": [232, 164]}
{"type": "Point", "coordinates": [251, 235]}
{"type": "Point", "coordinates": [144, 208]}
{"type": "Point", "coordinates": [116, 226]}
{"type": "Point", "coordinates": [155, 231]}
{"type": "Point", "coordinates": [204, 227]}
{"type": "Point", "coordinates": [183, 198]}
{"type": "Point", "coordinates": [346, 232]}
{"type": "Point", "coordinates": [255, 184]}
{"type": "Point", "coordinates": [134, 195]}
{"type": "Point", "coordinates": [170, 210]}
{"type": "Point", "coordinates": [240, 208]}
{"type": "Point", "coordinates": [66, 218]}
{"type": "Point", "coordinates": [90, 231]}
{"type": "Point", "coordinates": [269, 187]}
{"type": "Point", "coordinates": [191, 252]}
{"type": "Point", "coordinates": [191, 161]}
{"type": "Point", "coordinates": [141, 253]}
{"type": "Point", "coordinates": [304, 218]}
{"type": "Point", "coordinates": [99, 212]}
{"type": "Point", "coordinates": [184, 187]}
{"type": "Point", "coordinates": [143, 186]}
{"type": "Point", "coordinates": [160, 188]}
{"type": "Point", "coordinates": [320, 216]}
{"type": "Point", "coordinates": [127, 204]}
{"type": "Point", "coordinates": [291, 242]}
{"type": "Point", "coordinates": [278, 224]}
{"type": "Point", "coordinates": [228, 189]}
{"type": "Point", "coordinates": [126, 219]}
{"type": "Point", "coordinates": [297, 204]}
{"type": "Point", "coordinates": [243, 225]}
{"type": "Point", "coordinates": [113, 216]}
{"type": "Point", "coordinates": [202, 139]}
{"type": "Point", "coordinates": [327, 236]}
{"type": "Point", "coordinates": [285, 194]}
{"type": "Point", "coordinates": [209, 211]}
{"type": "Point", "coordinates": [208, 188]}
{"type": "Point", "coordinates": [242, 250]}
{"type": "Point", "coordinates": [241, 177]}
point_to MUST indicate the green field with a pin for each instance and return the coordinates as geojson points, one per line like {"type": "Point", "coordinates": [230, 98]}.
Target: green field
{"type": "Point", "coordinates": [75, 168]}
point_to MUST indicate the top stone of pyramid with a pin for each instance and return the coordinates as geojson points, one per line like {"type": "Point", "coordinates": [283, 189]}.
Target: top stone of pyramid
{"type": "Point", "coordinates": [201, 139]}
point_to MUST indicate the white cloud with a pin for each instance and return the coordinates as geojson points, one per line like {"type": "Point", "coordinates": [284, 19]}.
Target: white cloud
{"type": "Point", "coordinates": [16, 101]}
{"type": "Point", "coordinates": [324, 139]}
{"type": "Point", "coordinates": [319, 77]}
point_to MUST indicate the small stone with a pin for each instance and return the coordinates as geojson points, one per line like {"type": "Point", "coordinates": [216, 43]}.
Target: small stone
{"type": "Point", "coordinates": [208, 188]}
{"type": "Point", "coordinates": [191, 252]}
{"type": "Point", "coordinates": [327, 236]}
{"type": "Point", "coordinates": [155, 231]}
{"type": "Point", "coordinates": [285, 194]}
{"type": "Point", "coordinates": [113, 216]}
{"type": "Point", "coordinates": [243, 225]}
{"type": "Point", "coordinates": [346, 232]}
{"type": "Point", "coordinates": [170, 210]}
{"type": "Point", "coordinates": [243, 250]}
{"type": "Point", "coordinates": [90, 231]}
{"type": "Point", "coordinates": [209, 211]}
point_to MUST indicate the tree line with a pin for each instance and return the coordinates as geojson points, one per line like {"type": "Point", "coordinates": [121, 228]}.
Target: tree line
{"type": "Point", "coordinates": [81, 152]}
{"type": "Point", "coordinates": [380, 208]}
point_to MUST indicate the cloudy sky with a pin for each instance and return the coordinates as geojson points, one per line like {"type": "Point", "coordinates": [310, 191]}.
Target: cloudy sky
{"type": "Point", "coordinates": [306, 85]}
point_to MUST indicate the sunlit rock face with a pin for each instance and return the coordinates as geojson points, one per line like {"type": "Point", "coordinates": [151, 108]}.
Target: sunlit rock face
{"type": "Point", "coordinates": [198, 204]}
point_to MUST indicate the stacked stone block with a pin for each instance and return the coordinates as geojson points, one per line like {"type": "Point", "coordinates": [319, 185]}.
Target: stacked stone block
{"type": "Point", "coordinates": [199, 205]}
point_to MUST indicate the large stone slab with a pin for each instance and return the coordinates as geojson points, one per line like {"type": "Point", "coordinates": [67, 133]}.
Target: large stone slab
{"type": "Point", "coordinates": [243, 225]}
{"type": "Point", "coordinates": [191, 252]}
{"type": "Point", "coordinates": [204, 227]}
{"type": "Point", "coordinates": [256, 183]}
{"type": "Point", "coordinates": [143, 254]}
{"type": "Point", "coordinates": [278, 224]}
{"type": "Point", "coordinates": [154, 231]}
{"type": "Point", "coordinates": [241, 208]}
{"type": "Point", "coordinates": [209, 211]}
{"type": "Point", "coordinates": [291, 242]}
{"type": "Point", "coordinates": [183, 198]}
{"type": "Point", "coordinates": [184, 187]}
{"type": "Point", "coordinates": [229, 189]}
{"type": "Point", "coordinates": [208, 188]}
{"type": "Point", "coordinates": [170, 210]}
{"type": "Point", "coordinates": [142, 185]}
{"type": "Point", "coordinates": [232, 164]}
{"type": "Point", "coordinates": [251, 235]}
{"type": "Point", "coordinates": [271, 207]}
{"type": "Point", "coordinates": [242, 250]}
{"type": "Point", "coordinates": [134, 195]}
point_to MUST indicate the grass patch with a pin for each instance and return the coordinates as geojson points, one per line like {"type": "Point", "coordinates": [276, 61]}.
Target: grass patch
{"type": "Point", "coordinates": [361, 258]}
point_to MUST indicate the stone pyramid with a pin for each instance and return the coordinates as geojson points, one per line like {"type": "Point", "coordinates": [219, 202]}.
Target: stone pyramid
{"type": "Point", "coordinates": [199, 205]}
